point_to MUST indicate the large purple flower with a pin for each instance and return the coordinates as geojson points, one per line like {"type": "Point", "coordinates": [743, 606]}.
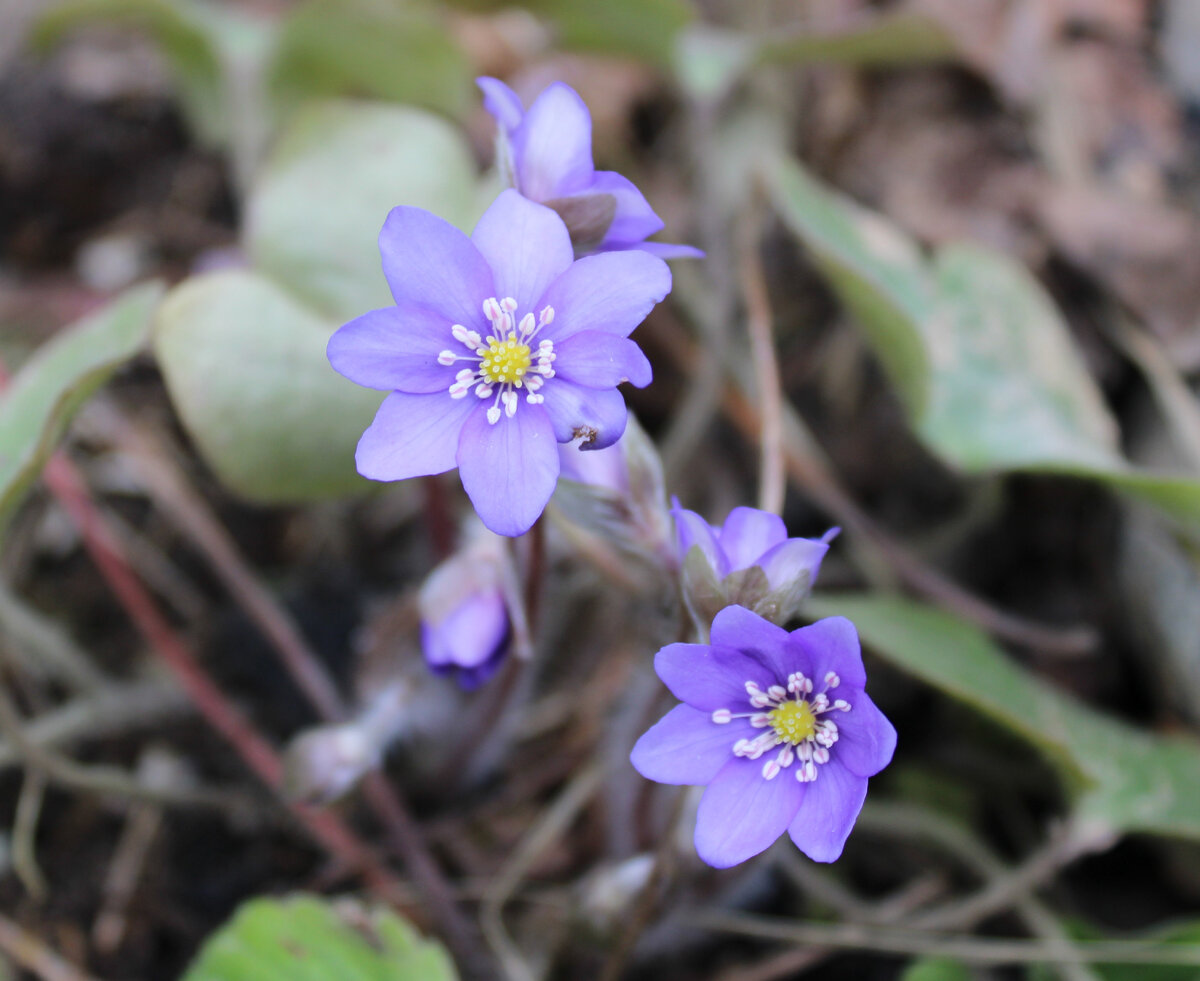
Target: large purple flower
{"type": "Point", "coordinates": [499, 347]}
{"type": "Point", "coordinates": [747, 561]}
{"type": "Point", "coordinates": [778, 727]}
{"type": "Point", "coordinates": [547, 153]}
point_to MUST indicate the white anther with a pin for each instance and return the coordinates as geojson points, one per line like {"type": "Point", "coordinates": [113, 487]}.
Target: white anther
{"type": "Point", "coordinates": [447, 357]}
{"type": "Point", "coordinates": [760, 700]}
{"type": "Point", "coordinates": [805, 751]}
{"type": "Point", "coordinates": [821, 755]}
{"type": "Point", "coordinates": [760, 721]}
{"type": "Point", "coordinates": [528, 325]}
{"type": "Point", "coordinates": [492, 309]}
{"type": "Point", "coordinates": [777, 692]}
{"type": "Point", "coordinates": [509, 304]}
{"type": "Point", "coordinates": [483, 390]}
{"type": "Point", "coordinates": [493, 414]}
{"type": "Point", "coordinates": [546, 316]}
{"type": "Point", "coordinates": [841, 705]}
{"type": "Point", "coordinates": [810, 772]}
{"type": "Point", "coordinates": [820, 703]}
{"type": "Point", "coordinates": [535, 399]}
{"type": "Point", "coordinates": [786, 756]}
{"type": "Point", "coordinates": [510, 403]}
{"type": "Point", "coordinates": [770, 770]}
{"type": "Point", "coordinates": [832, 680]}
{"type": "Point", "coordinates": [722, 716]}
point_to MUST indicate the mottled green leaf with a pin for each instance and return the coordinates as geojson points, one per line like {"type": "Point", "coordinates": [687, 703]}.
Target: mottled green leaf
{"type": "Point", "coordinates": [643, 29]}
{"type": "Point", "coordinates": [246, 369]}
{"type": "Point", "coordinates": [1123, 777]}
{"type": "Point", "coordinates": [314, 216]}
{"type": "Point", "coordinates": [58, 378]}
{"type": "Point", "coordinates": [977, 350]}
{"type": "Point", "coordinates": [305, 938]}
{"type": "Point", "coordinates": [397, 50]}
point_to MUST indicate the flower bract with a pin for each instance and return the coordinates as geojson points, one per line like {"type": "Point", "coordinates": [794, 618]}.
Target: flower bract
{"type": "Point", "coordinates": [778, 728]}
{"type": "Point", "coordinates": [547, 154]}
{"type": "Point", "coordinates": [500, 347]}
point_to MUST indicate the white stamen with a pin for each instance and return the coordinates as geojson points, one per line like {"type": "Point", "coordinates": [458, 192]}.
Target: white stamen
{"type": "Point", "coordinates": [841, 705]}
{"type": "Point", "coordinates": [722, 716]}
{"type": "Point", "coordinates": [447, 357]}
{"type": "Point", "coordinates": [760, 721]}
{"type": "Point", "coordinates": [821, 755]}
{"type": "Point", "coordinates": [777, 692]}
{"type": "Point", "coordinates": [509, 304]}
{"type": "Point", "coordinates": [786, 755]}
{"type": "Point", "coordinates": [832, 680]}
{"type": "Point", "coordinates": [483, 390]}
{"type": "Point", "coordinates": [493, 414]}
{"type": "Point", "coordinates": [546, 316]}
{"type": "Point", "coordinates": [770, 770]}
{"type": "Point", "coordinates": [527, 325]}
{"type": "Point", "coordinates": [535, 399]}
{"type": "Point", "coordinates": [492, 309]}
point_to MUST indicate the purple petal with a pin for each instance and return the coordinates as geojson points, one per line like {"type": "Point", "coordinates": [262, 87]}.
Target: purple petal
{"type": "Point", "coordinates": [470, 634]}
{"type": "Point", "coordinates": [412, 436]}
{"type": "Point", "coordinates": [663, 250]}
{"type": "Point", "coordinates": [634, 219]}
{"type": "Point", "coordinates": [785, 562]}
{"type": "Point", "coordinates": [742, 813]}
{"type": "Point", "coordinates": [502, 102]}
{"type": "Point", "coordinates": [394, 349]}
{"type": "Point", "coordinates": [710, 678]}
{"type": "Point", "coordinates": [430, 263]}
{"type": "Point", "coordinates": [748, 533]}
{"type": "Point", "coordinates": [553, 145]}
{"type": "Point", "coordinates": [866, 739]}
{"type": "Point", "coordinates": [508, 469]}
{"type": "Point", "coordinates": [832, 644]}
{"type": "Point", "coordinates": [737, 627]}
{"type": "Point", "coordinates": [602, 468]}
{"type": "Point", "coordinates": [599, 360]}
{"type": "Point", "coordinates": [527, 246]}
{"type": "Point", "coordinates": [691, 529]}
{"type": "Point", "coordinates": [595, 415]}
{"type": "Point", "coordinates": [828, 811]}
{"type": "Point", "coordinates": [611, 292]}
{"type": "Point", "coordinates": [686, 747]}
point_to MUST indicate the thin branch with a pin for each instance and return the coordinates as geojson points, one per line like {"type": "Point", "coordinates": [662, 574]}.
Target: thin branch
{"type": "Point", "coordinates": [30, 953]}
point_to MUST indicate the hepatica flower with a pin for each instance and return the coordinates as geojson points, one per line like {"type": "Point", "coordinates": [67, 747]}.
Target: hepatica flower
{"type": "Point", "coordinates": [500, 347]}
{"type": "Point", "coordinates": [779, 728]}
{"type": "Point", "coordinates": [546, 154]}
{"type": "Point", "coordinates": [748, 561]}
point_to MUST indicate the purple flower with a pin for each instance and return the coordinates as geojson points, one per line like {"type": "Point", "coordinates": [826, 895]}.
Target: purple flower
{"type": "Point", "coordinates": [466, 607]}
{"type": "Point", "coordinates": [547, 155]}
{"type": "Point", "coordinates": [778, 727]}
{"type": "Point", "coordinates": [748, 561]}
{"type": "Point", "coordinates": [500, 347]}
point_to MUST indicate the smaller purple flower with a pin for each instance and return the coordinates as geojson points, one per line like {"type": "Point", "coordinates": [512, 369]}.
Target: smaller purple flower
{"type": "Point", "coordinates": [546, 154]}
{"type": "Point", "coordinates": [779, 730]}
{"type": "Point", "coordinates": [748, 561]}
{"type": "Point", "coordinates": [466, 608]}
{"type": "Point", "coordinates": [500, 347]}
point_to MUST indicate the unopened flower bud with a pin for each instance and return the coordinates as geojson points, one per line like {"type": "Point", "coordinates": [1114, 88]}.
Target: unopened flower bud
{"type": "Point", "coordinates": [470, 611]}
{"type": "Point", "coordinates": [749, 561]}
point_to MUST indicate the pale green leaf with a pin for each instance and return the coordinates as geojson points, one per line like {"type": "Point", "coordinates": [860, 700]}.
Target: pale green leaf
{"type": "Point", "coordinates": [643, 29]}
{"type": "Point", "coordinates": [314, 216]}
{"type": "Point", "coordinates": [305, 938]}
{"type": "Point", "coordinates": [58, 378]}
{"type": "Point", "coordinates": [397, 50]}
{"type": "Point", "coordinates": [900, 38]}
{"type": "Point", "coordinates": [1124, 778]}
{"type": "Point", "coordinates": [246, 369]}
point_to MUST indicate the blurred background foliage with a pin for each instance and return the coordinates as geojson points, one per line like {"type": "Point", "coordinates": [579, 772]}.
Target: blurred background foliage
{"type": "Point", "coordinates": [969, 230]}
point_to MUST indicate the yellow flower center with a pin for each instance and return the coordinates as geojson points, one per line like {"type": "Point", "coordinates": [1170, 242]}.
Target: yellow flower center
{"type": "Point", "coordinates": [505, 361]}
{"type": "Point", "coordinates": [793, 722]}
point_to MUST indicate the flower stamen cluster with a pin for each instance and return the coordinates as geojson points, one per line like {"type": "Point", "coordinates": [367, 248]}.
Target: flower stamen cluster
{"type": "Point", "coordinates": [795, 722]}
{"type": "Point", "coordinates": [504, 358]}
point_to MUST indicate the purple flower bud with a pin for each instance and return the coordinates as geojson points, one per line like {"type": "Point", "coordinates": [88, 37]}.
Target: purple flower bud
{"type": "Point", "coordinates": [465, 607]}
{"type": "Point", "coordinates": [748, 561]}
{"type": "Point", "coordinates": [546, 154]}
{"type": "Point", "coordinates": [778, 728]}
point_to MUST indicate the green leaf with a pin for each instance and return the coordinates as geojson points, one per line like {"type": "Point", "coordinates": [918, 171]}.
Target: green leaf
{"type": "Point", "coordinates": [936, 969]}
{"type": "Point", "coordinates": [200, 42]}
{"type": "Point", "coordinates": [245, 367]}
{"type": "Point", "coordinates": [315, 229]}
{"type": "Point", "coordinates": [1124, 778]}
{"type": "Point", "coordinates": [644, 29]}
{"type": "Point", "coordinates": [901, 38]}
{"type": "Point", "coordinates": [58, 378]}
{"type": "Point", "coordinates": [1175, 934]}
{"type": "Point", "coordinates": [396, 50]}
{"type": "Point", "coordinates": [304, 938]}
{"type": "Point", "coordinates": [980, 355]}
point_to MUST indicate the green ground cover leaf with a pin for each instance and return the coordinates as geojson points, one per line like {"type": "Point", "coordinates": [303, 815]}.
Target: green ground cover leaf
{"type": "Point", "coordinates": [315, 231]}
{"type": "Point", "coordinates": [1123, 778]}
{"type": "Point", "coordinates": [398, 50]}
{"type": "Point", "coordinates": [977, 350]}
{"type": "Point", "coordinates": [897, 38]}
{"type": "Point", "coordinates": [245, 366]}
{"type": "Point", "coordinates": [936, 969]}
{"type": "Point", "coordinates": [58, 378]}
{"type": "Point", "coordinates": [304, 938]}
